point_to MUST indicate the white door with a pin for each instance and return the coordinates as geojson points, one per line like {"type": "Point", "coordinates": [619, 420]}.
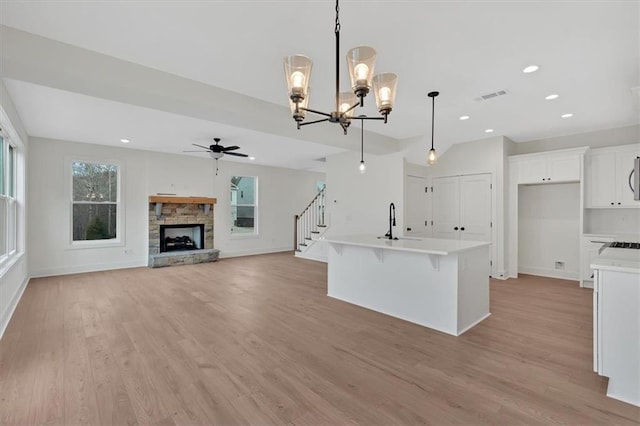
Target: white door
{"type": "Point", "coordinates": [475, 207]}
{"type": "Point", "coordinates": [446, 207]}
{"type": "Point", "coordinates": [416, 213]}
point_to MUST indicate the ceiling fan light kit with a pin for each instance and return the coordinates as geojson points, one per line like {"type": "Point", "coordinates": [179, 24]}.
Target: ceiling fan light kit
{"type": "Point", "coordinates": [361, 63]}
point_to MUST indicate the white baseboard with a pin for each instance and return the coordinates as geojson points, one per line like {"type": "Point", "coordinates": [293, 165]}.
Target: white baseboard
{"type": "Point", "coordinates": [11, 307]}
{"type": "Point", "coordinates": [67, 270]}
{"type": "Point", "coordinates": [469, 327]}
{"type": "Point", "coordinates": [250, 252]}
{"type": "Point", "coordinates": [550, 273]}
{"type": "Point", "coordinates": [307, 256]}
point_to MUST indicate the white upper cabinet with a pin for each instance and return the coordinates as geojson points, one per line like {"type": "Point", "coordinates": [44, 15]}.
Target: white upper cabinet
{"type": "Point", "coordinates": [548, 167]}
{"type": "Point", "coordinates": [607, 177]}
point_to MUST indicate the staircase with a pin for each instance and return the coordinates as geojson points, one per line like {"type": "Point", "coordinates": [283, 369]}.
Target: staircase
{"type": "Point", "coordinates": [308, 227]}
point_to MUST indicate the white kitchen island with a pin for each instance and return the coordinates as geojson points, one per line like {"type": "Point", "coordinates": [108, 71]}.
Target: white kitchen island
{"type": "Point", "coordinates": [437, 283]}
{"type": "Point", "coordinates": [616, 322]}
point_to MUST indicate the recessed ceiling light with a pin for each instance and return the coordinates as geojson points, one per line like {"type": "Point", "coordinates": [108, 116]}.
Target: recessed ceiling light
{"type": "Point", "coordinates": [489, 131]}
{"type": "Point", "coordinates": [566, 115]}
{"type": "Point", "coordinates": [552, 96]}
{"type": "Point", "coordinates": [464, 117]}
{"type": "Point", "coordinates": [125, 140]}
{"type": "Point", "coordinates": [252, 158]}
{"type": "Point", "coordinates": [530, 68]}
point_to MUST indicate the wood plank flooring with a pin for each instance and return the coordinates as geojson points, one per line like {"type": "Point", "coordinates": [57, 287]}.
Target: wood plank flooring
{"type": "Point", "coordinates": [255, 340]}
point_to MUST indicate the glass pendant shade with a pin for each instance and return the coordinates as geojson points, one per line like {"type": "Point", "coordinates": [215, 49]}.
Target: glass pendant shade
{"type": "Point", "coordinates": [297, 70]}
{"type": "Point", "coordinates": [345, 101]}
{"type": "Point", "coordinates": [362, 167]}
{"type": "Point", "coordinates": [361, 62]}
{"type": "Point", "coordinates": [432, 158]}
{"type": "Point", "coordinates": [384, 87]}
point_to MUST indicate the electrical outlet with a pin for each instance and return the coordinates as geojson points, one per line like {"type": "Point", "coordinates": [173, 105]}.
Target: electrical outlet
{"type": "Point", "coordinates": [559, 264]}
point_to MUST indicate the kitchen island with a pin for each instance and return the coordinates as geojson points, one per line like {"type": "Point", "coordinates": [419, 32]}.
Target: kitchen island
{"type": "Point", "coordinates": [616, 322]}
{"type": "Point", "coordinates": [437, 283]}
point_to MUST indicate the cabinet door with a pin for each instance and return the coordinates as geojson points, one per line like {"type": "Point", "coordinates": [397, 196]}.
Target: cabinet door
{"type": "Point", "coordinates": [624, 166]}
{"type": "Point", "coordinates": [532, 171]}
{"type": "Point", "coordinates": [563, 169]}
{"type": "Point", "coordinates": [475, 207]}
{"type": "Point", "coordinates": [446, 207]}
{"type": "Point", "coordinates": [601, 180]}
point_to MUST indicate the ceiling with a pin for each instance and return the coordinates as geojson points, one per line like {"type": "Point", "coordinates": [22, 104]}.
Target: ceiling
{"type": "Point", "coordinates": [588, 53]}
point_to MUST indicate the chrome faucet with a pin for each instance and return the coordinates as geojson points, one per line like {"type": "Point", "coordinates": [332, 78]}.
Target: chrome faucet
{"type": "Point", "coordinates": [392, 221]}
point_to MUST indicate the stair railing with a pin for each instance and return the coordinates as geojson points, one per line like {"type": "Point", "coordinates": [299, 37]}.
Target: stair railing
{"type": "Point", "coordinates": [308, 222]}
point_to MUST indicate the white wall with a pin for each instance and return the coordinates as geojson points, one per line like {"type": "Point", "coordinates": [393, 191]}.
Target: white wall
{"type": "Point", "coordinates": [598, 139]}
{"type": "Point", "coordinates": [359, 203]}
{"type": "Point", "coordinates": [14, 276]}
{"type": "Point", "coordinates": [549, 229]}
{"type": "Point", "coordinates": [282, 193]}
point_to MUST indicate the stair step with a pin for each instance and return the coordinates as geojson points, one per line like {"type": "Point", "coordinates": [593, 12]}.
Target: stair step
{"type": "Point", "coordinates": [322, 226]}
{"type": "Point", "coordinates": [303, 245]}
{"type": "Point", "coordinates": [315, 232]}
{"type": "Point", "coordinates": [308, 238]}
{"type": "Point", "coordinates": [299, 251]}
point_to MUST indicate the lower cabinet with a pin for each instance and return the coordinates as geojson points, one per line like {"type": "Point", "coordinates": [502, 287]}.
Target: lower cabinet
{"type": "Point", "coordinates": [616, 332]}
{"type": "Point", "coordinates": [590, 250]}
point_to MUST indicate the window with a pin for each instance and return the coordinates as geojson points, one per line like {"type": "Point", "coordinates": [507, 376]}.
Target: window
{"type": "Point", "coordinates": [244, 205]}
{"type": "Point", "coordinates": [8, 204]}
{"type": "Point", "coordinates": [95, 201]}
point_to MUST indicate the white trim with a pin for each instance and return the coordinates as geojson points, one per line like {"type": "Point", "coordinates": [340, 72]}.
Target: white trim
{"type": "Point", "coordinates": [49, 272]}
{"type": "Point", "coordinates": [256, 195]}
{"type": "Point", "coordinates": [549, 273]}
{"type": "Point", "coordinates": [5, 316]}
{"type": "Point", "coordinates": [469, 327]}
{"type": "Point", "coordinates": [250, 252]}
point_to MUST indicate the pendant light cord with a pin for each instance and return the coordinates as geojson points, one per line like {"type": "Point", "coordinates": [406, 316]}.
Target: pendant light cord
{"type": "Point", "coordinates": [361, 141]}
{"type": "Point", "coordinates": [337, 32]}
{"type": "Point", "coordinates": [433, 114]}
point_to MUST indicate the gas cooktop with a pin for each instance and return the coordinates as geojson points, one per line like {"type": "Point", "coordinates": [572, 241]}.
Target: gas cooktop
{"type": "Point", "coordinates": [624, 245]}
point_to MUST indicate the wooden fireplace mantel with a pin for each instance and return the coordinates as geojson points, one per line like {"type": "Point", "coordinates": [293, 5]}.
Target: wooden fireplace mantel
{"type": "Point", "coordinates": [159, 200]}
{"type": "Point", "coordinates": [181, 200]}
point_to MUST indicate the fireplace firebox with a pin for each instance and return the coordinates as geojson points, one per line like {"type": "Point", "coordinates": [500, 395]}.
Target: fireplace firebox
{"type": "Point", "coordinates": [181, 237]}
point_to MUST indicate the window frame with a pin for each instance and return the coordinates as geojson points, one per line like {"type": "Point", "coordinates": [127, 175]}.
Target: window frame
{"type": "Point", "coordinates": [255, 233]}
{"type": "Point", "coordinates": [8, 193]}
{"type": "Point", "coordinates": [119, 240]}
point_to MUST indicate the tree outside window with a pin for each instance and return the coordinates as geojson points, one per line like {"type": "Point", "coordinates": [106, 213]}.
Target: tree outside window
{"type": "Point", "coordinates": [95, 201]}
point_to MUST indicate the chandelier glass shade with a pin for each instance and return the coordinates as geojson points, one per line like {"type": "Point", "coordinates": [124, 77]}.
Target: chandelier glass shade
{"type": "Point", "coordinates": [361, 63]}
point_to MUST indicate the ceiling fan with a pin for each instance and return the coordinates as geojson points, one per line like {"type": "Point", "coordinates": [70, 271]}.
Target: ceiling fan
{"type": "Point", "coordinates": [217, 151]}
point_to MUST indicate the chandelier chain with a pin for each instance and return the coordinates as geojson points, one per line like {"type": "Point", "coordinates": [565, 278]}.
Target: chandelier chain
{"type": "Point", "coordinates": [337, 29]}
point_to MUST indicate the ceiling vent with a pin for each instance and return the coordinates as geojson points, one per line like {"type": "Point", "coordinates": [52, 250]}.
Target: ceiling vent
{"type": "Point", "coordinates": [488, 96]}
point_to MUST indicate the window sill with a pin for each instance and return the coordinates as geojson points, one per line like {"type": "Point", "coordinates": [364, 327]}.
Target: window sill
{"type": "Point", "coordinates": [7, 262]}
{"type": "Point", "coordinates": [97, 244]}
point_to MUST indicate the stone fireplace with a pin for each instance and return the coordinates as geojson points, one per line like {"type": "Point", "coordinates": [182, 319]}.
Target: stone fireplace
{"type": "Point", "coordinates": [181, 231]}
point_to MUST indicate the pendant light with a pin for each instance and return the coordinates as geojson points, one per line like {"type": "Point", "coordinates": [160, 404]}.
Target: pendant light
{"type": "Point", "coordinates": [362, 167]}
{"type": "Point", "coordinates": [432, 158]}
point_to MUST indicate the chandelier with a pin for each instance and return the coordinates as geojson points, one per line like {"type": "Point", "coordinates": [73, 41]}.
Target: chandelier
{"type": "Point", "coordinates": [361, 63]}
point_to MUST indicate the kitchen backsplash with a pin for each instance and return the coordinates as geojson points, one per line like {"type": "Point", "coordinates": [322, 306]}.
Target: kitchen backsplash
{"type": "Point", "coordinates": [612, 221]}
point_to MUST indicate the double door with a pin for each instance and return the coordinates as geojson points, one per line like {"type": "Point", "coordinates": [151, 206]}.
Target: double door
{"type": "Point", "coordinates": [462, 207]}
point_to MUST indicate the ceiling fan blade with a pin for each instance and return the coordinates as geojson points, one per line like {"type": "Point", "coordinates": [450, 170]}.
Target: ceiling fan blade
{"type": "Point", "coordinates": [237, 154]}
{"type": "Point", "coordinates": [205, 147]}
{"type": "Point", "coordinates": [195, 151]}
{"type": "Point", "coordinates": [230, 148]}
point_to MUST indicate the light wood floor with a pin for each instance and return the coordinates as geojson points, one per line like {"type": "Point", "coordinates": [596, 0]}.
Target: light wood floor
{"type": "Point", "coordinates": [255, 340]}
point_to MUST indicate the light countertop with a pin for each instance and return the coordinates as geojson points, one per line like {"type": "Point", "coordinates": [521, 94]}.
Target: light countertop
{"type": "Point", "coordinates": [621, 260]}
{"type": "Point", "coordinates": [436, 246]}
